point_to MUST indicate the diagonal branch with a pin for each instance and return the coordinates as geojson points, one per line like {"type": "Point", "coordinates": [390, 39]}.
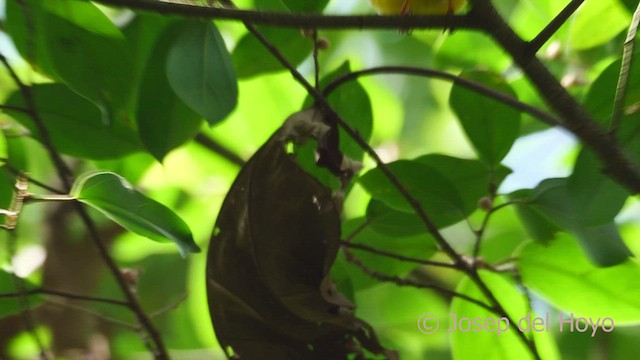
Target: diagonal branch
{"type": "Point", "coordinates": [553, 26]}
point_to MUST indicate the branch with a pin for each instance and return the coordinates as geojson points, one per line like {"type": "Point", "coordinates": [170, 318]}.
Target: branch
{"type": "Point", "coordinates": [219, 149]}
{"type": "Point", "coordinates": [617, 163]}
{"type": "Point", "coordinates": [412, 283]}
{"type": "Point", "coordinates": [373, 250]}
{"type": "Point", "coordinates": [431, 73]}
{"type": "Point", "coordinates": [299, 20]}
{"type": "Point", "coordinates": [553, 26]}
{"type": "Point", "coordinates": [66, 295]}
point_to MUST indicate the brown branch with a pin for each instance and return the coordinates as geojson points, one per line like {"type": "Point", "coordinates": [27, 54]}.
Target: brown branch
{"type": "Point", "coordinates": [553, 26]}
{"type": "Point", "coordinates": [219, 149]}
{"type": "Point", "coordinates": [299, 20]}
{"type": "Point", "coordinates": [412, 283]}
{"type": "Point", "coordinates": [431, 73]}
{"type": "Point", "coordinates": [66, 295]}
{"type": "Point", "coordinates": [373, 250]}
{"type": "Point", "coordinates": [617, 163]}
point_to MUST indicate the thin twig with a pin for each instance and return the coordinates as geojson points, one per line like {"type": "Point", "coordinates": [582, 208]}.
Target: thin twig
{"type": "Point", "coordinates": [553, 26]}
{"type": "Point", "coordinates": [219, 149]}
{"type": "Point", "coordinates": [625, 72]}
{"type": "Point", "coordinates": [316, 63]}
{"type": "Point", "coordinates": [95, 313]}
{"type": "Point", "coordinates": [29, 179]}
{"type": "Point", "coordinates": [431, 73]}
{"type": "Point", "coordinates": [69, 295]}
{"type": "Point", "coordinates": [412, 283]}
{"type": "Point", "coordinates": [485, 223]}
{"type": "Point", "coordinates": [373, 250]}
{"type": "Point", "coordinates": [14, 108]}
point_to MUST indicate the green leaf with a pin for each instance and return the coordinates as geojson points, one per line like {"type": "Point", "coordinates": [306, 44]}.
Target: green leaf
{"type": "Point", "coordinates": [560, 271]}
{"type": "Point", "coordinates": [535, 222]}
{"type": "Point", "coordinates": [437, 195]}
{"type": "Point", "coordinates": [556, 201]}
{"type": "Point", "coordinates": [387, 221]}
{"type": "Point", "coordinates": [112, 195]}
{"type": "Point", "coordinates": [89, 53]}
{"type": "Point", "coordinates": [596, 197]}
{"type": "Point", "coordinates": [472, 178]}
{"type": "Point", "coordinates": [30, 44]}
{"type": "Point", "coordinates": [483, 341]}
{"type": "Point", "coordinates": [491, 126]}
{"type": "Point", "coordinates": [597, 22]}
{"type": "Point", "coordinates": [164, 121]}
{"type": "Point", "coordinates": [290, 43]}
{"type": "Point", "coordinates": [11, 305]}
{"type": "Point", "coordinates": [200, 71]}
{"type": "Point", "coordinates": [75, 124]}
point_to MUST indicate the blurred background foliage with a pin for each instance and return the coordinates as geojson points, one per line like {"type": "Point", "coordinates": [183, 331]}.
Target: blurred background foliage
{"type": "Point", "coordinates": [411, 117]}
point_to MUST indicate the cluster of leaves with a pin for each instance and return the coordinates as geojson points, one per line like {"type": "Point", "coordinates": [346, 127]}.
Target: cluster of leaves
{"type": "Point", "coordinates": [151, 84]}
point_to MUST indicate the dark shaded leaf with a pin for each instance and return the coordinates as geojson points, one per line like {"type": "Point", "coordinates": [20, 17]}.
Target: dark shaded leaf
{"type": "Point", "coordinates": [491, 126]}
{"type": "Point", "coordinates": [75, 124]}
{"type": "Point", "coordinates": [112, 195]}
{"type": "Point", "coordinates": [276, 237]}
{"type": "Point", "coordinates": [200, 71]}
{"type": "Point", "coordinates": [82, 43]}
{"type": "Point", "coordinates": [164, 121]}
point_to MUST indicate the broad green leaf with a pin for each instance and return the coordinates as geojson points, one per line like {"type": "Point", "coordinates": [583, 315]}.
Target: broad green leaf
{"type": "Point", "coordinates": [12, 305]}
{"type": "Point", "coordinates": [437, 195]}
{"type": "Point", "coordinates": [567, 279]}
{"type": "Point", "coordinates": [535, 222]}
{"type": "Point", "coordinates": [200, 71]}
{"type": "Point", "coordinates": [597, 22]}
{"type": "Point", "coordinates": [112, 195]}
{"type": "Point", "coordinates": [555, 200]}
{"type": "Point", "coordinates": [31, 44]}
{"type": "Point", "coordinates": [164, 121]}
{"type": "Point", "coordinates": [489, 336]}
{"type": "Point", "coordinates": [472, 178]}
{"type": "Point", "coordinates": [75, 124]}
{"type": "Point", "coordinates": [491, 126]}
{"type": "Point", "coordinates": [89, 53]}
{"type": "Point", "coordinates": [289, 42]}
{"type": "Point", "coordinates": [420, 246]}
{"type": "Point", "coordinates": [596, 197]}
{"type": "Point", "coordinates": [388, 221]}
{"type": "Point", "coordinates": [455, 51]}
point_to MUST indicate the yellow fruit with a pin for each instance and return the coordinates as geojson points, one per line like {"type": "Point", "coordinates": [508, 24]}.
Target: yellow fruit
{"type": "Point", "coordinates": [417, 7]}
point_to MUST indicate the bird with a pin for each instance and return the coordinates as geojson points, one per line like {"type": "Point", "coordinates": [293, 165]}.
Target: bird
{"type": "Point", "coordinates": [417, 7]}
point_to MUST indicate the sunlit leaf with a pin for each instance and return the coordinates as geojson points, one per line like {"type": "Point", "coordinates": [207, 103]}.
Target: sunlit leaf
{"type": "Point", "coordinates": [479, 334]}
{"type": "Point", "coordinates": [597, 22]}
{"type": "Point", "coordinates": [491, 126]}
{"type": "Point", "coordinates": [200, 71]}
{"type": "Point", "coordinates": [566, 278]}
{"type": "Point", "coordinates": [112, 195]}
